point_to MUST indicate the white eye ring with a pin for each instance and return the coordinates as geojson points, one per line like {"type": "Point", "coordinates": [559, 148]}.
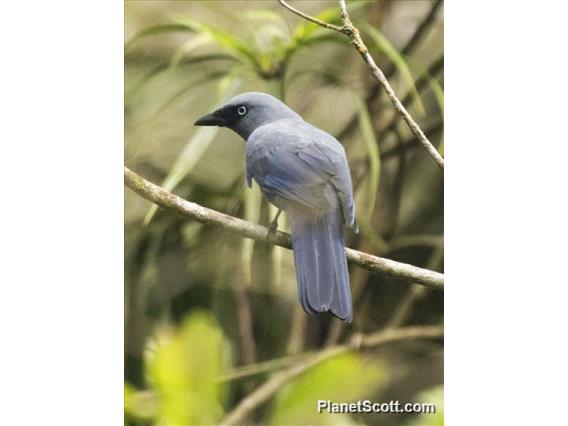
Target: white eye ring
{"type": "Point", "coordinates": [242, 110]}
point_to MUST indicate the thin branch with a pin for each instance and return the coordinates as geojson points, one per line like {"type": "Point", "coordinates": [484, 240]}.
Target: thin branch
{"type": "Point", "coordinates": [421, 29]}
{"type": "Point", "coordinates": [271, 365]}
{"type": "Point", "coordinates": [343, 10]}
{"type": "Point", "coordinates": [410, 45]}
{"type": "Point", "coordinates": [265, 391]}
{"type": "Point", "coordinates": [169, 201]}
{"type": "Point", "coordinates": [352, 32]}
{"type": "Point", "coordinates": [310, 18]}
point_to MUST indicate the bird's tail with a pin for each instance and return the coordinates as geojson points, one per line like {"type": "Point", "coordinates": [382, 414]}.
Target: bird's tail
{"type": "Point", "coordinates": [321, 266]}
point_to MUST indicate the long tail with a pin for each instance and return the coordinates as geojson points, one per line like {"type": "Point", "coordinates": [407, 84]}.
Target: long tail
{"type": "Point", "coordinates": [321, 266]}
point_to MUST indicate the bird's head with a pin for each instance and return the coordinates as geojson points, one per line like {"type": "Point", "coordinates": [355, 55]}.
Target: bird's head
{"type": "Point", "coordinates": [246, 112]}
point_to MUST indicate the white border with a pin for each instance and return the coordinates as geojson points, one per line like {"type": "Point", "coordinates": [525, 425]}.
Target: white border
{"type": "Point", "coordinates": [61, 303]}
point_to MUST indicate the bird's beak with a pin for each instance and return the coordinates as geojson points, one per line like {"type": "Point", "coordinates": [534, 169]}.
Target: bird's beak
{"type": "Point", "coordinates": [213, 119]}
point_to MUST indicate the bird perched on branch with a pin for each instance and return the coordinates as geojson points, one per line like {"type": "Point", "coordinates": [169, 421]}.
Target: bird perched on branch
{"type": "Point", "coordinates": [303, 171]}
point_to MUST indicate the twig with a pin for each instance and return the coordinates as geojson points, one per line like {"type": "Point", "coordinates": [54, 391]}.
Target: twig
{"type": "Point", "coordinates": [169, 201]}
{"type": "Point", "coordinates": [250, 370]}
{"type": "Point", "coordinates": [374, 91]}
{"type": "Point", "coordinates": [263, 393]}
{"type": "Point", "coordinates": [352, 32]}
{"type": "Point", "coordinates": [310, 18]}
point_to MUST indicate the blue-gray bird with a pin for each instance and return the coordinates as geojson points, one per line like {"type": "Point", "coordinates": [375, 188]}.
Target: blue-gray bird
{"type": "Point", "coordinates": [303, 171]}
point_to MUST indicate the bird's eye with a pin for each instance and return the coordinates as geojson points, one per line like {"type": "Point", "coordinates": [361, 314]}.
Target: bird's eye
{"type": "Point", "coordinates": [242, 110]}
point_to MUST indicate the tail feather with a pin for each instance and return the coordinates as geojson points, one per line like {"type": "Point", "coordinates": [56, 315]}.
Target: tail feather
{"type": "Point", "coordinates": [321, 266]}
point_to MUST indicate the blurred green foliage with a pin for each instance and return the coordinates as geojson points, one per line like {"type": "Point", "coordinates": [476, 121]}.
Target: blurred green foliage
{"type": "Point", "coordinates": [200, 303]}
{"type": "Point", "coordinates": [183, 366]}
{"type": "Point", "coordinates": [296, 403]}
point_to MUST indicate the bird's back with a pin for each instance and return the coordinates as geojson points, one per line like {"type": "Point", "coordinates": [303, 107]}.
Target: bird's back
{"type": "Point", "coordinates": [296, 162]}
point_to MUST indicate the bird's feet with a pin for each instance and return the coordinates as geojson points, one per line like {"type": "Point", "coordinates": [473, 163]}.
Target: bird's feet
{"type": "Point", "coordinates": [272, 228]}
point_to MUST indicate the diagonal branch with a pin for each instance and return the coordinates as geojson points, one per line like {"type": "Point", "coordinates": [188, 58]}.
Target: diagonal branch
{"type": "Point", "coordinates": [417, 36]}
{"type": "Point", "coordinates": [172, 202]}
{"type": "Point", "coordinates": [352, 32]}
{"type": "Point", "coordinates": [410, 45]}
{"type": "Point", "coordinates": [265, 391]}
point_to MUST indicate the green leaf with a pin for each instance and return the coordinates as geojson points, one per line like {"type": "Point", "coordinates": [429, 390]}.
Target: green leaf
{"type": "Point", "coordinates": [265, 22]}
{"type": "Point", "coordinates": [183, 368]}
{"type": "Point", "coordinates": [344, 378]}
{"type": "Point", "coordinates": [307, 33]}
{"type": "Point", "coordinates": [150, 121]}
{"type": "Point", "coordinates": [372, 147]}
{"type": "Point", "coordinates": [188, 47]}
{"type": "Point", "coordinates": [179, 94]}
{"type": "Point", "coordinates": [252, 204]}
{"type": "Point", "coordinates": [387, 49]}
{"type": "Point", "coordinates": [225, 40]}
{"type": "Point", "coordinates": [305, 29]}
{"type": "Point", "coordinates": [265, 15]}
{"type": "Point", "coordinates": [196, 146]}
{"type": "Point", "coordinates": [160, 68]}
{"type": "Point", "coordinates": [158, 29]}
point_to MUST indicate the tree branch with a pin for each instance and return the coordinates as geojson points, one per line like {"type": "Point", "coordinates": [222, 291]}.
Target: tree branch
{"type": "Point", "coordinates": [169, 201]}
{"type": "Point", "coordinates": [310, 18]}
{"type": "Point", "coordinates": [352, 32]}
{"type": "Point", "coordinates": [265, 391]}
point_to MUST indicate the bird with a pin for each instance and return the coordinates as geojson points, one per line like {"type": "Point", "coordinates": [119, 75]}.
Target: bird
{"type": "Point", "coordinates": [303, 171]}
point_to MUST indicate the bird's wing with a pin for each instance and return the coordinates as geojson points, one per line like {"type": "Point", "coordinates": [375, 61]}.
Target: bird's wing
{"type": "Point", "coordinates": [328, 156]}
{"type": "Point", "coordinates": [298, 162]}
{"type": "Point", "coordinates": [274, 162]}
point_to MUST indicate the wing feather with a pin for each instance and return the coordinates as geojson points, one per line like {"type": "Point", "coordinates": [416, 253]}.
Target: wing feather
{"type": "Point", "coordinates": [297, 162]}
